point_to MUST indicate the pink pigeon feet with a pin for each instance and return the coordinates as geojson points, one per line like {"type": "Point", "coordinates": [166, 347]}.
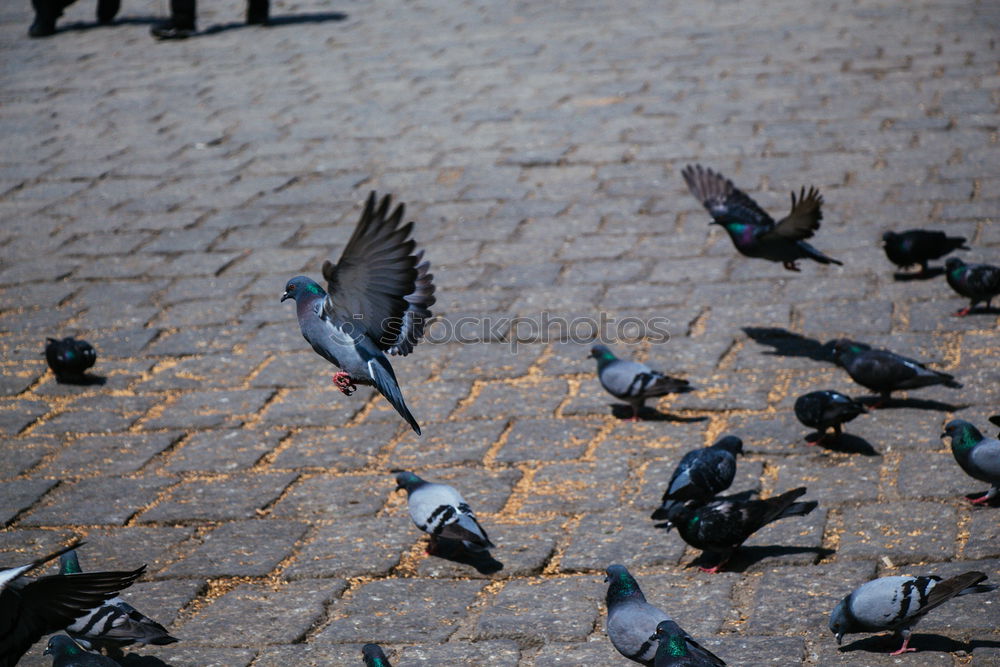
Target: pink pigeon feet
{"type": "Point", "coordinates": [903, 649]}
{"type": "Point", "coordinates": [344, 383]}
{"type": "Point", "coordinates": [791, 266]}
{"type": "Point", "coordinates": [963, 312]}
{"type": "Point", "coordinates": [715, 569]}
{"type": "Point", "coordinates": [982, 500]}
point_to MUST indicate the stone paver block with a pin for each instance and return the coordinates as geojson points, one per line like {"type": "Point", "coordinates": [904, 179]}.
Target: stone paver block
{"type": "Point", "coordinates": [500, 653]}
{"type": "Point", "coordinates": [240, 549]}
{"type": "Point", "coordinates": [596, 651]}
{"type": "Point", "coordinates": [576, 487]}
{"type": "Point", "coordinates": [109, 455]}
{"type": "Point", "coordinates": [238, 496]}
{"type": "Point", "coordinates": [984, 535]}
{"type": "Point", "coordinates": [832, 478]}
{"type": "Point", "coordinates": [349, 448]}
{"type": "Point", "coordinates": [20, 494]}
{"type": "Point", "coordinates": [533, 610]}
{"type": "Point", "coordinates": [127, 547]}
{"type": "Point", "coordinates": [367, 546]}
{"type": "Point", "coordinates": [222, 451]}
{"type": "Point", "coordinates": [450, 443]}
{"type": "Point", "coordinates": [335, 497]}
{"type": "Point", "coordinates": [547, 439]}
{"type": "Point", "coordinates": [96, 501]}
{"type": "Point", "coordinates": [531, 399]}
{"type": "Point", "coordinates": [907, 532]}
{"type": "Point", "coordinates": [621, 536]}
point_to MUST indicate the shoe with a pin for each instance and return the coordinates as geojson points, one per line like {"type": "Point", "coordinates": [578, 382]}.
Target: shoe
{"type": "Point", "coordinates": [170, 30]}
{"type": "Point", "coordinates": [257, 12]}
{"type": "Point", "coordinates": [42, 27]}
{"type": "Point", "coordinates": [107, 10]}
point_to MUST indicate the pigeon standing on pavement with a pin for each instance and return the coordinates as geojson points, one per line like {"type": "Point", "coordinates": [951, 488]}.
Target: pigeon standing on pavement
{"type": "Point", "coordinates": [752, 230]}
{"type": "Point", "coordinates": [30, 609]}
{"type": "Point", "coordinates": [633, 382]}
{"type": "Point", "coordinates": [67, 653]}
{"type": "Point", "coordinates": [374, 656]}
{"type": "Point", "coordinates": [977, 282]}
{"type": "Point", "coordinates": [113, 624]}
{"type": "Point", "coordinates": [825, 409]}
{"type": "Point", "coordinates": [675, 648]}
{"type": "Point", "coordinates": [378, 300]}
{"type": "Point", "coordinates": [632, 621]}
{"type": "Point", "coordinates": [440, 511]}
{"type": "Point", "coordinates": [69, 358]}
{"type": "Point", "coordinates": [702, 473]}
{"type": "Point", "coordinates": [978, 456]}
{"type": "Point", "coordinates": [919, 246]}
{"type": "Point", "coordinates": [721, 526]}
{"type": "Point", "coordinates": [883, 371]}
{"type": "Point", "coordinates": [898, 603]}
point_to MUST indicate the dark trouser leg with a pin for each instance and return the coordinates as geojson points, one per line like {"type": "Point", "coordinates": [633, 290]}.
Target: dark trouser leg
{"type": "Point", "coordinates": [257, 11]}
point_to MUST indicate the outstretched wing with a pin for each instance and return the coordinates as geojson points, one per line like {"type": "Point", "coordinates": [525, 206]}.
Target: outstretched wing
{"type": "Point", "coordinates": [722, 199]}
{"type": "Point", "coordinates": [802, 221]}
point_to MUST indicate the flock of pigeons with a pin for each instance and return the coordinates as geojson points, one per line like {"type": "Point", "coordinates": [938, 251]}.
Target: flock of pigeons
{"type": "Point", "coordinates": [378, 301]}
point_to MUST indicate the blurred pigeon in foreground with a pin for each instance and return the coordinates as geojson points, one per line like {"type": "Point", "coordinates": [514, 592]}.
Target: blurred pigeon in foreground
{"type": "Point", "coordinates": [113, 624]}
{"type": "Point", "coordinates": [898, 603]}
{"type": "Point", "coordinates": [632, 621]}
{"type": "Point", "coordinates": [753, 231]}
{"type": "Point", "coordinates": [825, 409]}
{"type": "Point", "coordinates": [995, 420]}
{"type": "Point", "coordinates": [978, 456]}
{"type": "Point", "coordinates": [676, 649]}
{"type": "Point", "coordinates": [67, 653]}
{"type": "Point", "coordinates": [919, 246]}
{"type": "Point", "coordinates": [702, 473]}
{"type": "Point", "coordinates": [883, 371]}
{"type": "Point", "coordinates": [633, 382]}
{"type": "Point", "coordinates": [441, 512]}
{"type": "Point", "coordinates": [374, 657]}
{"type": "Point", "coordinates": [69, 358]}
{"type": "Point", "coordinates": [722, 526]}
{"type": "Point", "coordinates": [30, 609]}
{"type": "Point", "coordinates": [978, 282]}
{"type": "Point", "coordinates": [380, 294]}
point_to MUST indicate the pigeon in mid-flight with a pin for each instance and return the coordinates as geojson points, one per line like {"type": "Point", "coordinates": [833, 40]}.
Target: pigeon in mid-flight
{"type": "Point", "coordinates": [440, 511]}
{"type": "Point", "coordinates": [632, 381]}
{"type": "Point", "coordinates": [977, 282]}
{"type": "Point", "coordinates": [883, 371]}
{"type": "Point", "coordinates": [701, 474]}
{"type": "Point", "coordinates": [675, 648]}
{"type": "Point", "coordinates": [113, 624]}
{"type": "Point", "coordinates": [752, 230]}
{"type": "Point", "coordinates": [826, 409]}
{"type": "Point", "coordinates": [377, 300]}
{"type": "Point", "coordinates": [374, 656]}
{"type": "Point", "coordinates": [978, 456]}
{"type": "Point", "coordinates": [69, 358]}
{"type": "Point", "coordinates": [919, 246]}
{"type": "Point", "coordinates": [898, 603]}
{"type": "Point", "coordinates": [721, 526]}
{"type": "Point", "coordinates": [67, 653]}
{"type": "Point", "coordinates": [30, 608]}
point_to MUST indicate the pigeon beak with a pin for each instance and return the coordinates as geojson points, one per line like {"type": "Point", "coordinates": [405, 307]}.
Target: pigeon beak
{"type": "Point", "coordinates": [285, 295]}
{"type": "Point", "coordinates": [840, 638]}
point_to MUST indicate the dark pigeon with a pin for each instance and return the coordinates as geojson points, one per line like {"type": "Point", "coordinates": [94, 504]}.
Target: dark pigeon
{"type": "Point", "coordinates": [632, 381]}
{"type": "Point", "coordinates": [113, 624]}
{"type": "Point", "coordinates": [378, 300]}
{"type": "Point", "coordinates": [701, 474]}
{"type": "Point", "coordinates": [632, 622]}
{"type": "Point", "coordinates": [30, 609]}
{"type": "Point", "coordinates": [752, 230]}
{"type": "Point", "coordinates": [978, 456]}
{"type": "Point", "coordinates": [721, 526]}
{"type": "Point", "coordinates": [883, 371]}
{"type": "Point", "coordinates": [440, 511]}
{"type": "Point", "coordinates": [898, 603]}
{"type": "Point", "coordinates": [977, 282]}
{"type": "Point", "coordinates": [374, 656]}
{"type": "Point", "coordinates": [675, 648]}
{"type": "Point", "coordinates": [69, 358]}
{"type": "Point", "coordinates": [67, 653]}
{"type": "Point", "coordinates": [827, 409]}
{"type": "Point", "coordinates": [995, 420]}
{"type": "Point", "coordinates": [919, 246]}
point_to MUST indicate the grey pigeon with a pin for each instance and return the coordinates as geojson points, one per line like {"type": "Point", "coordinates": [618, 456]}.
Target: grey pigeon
{"type": "Point", "coordinates": [30, 609]}
{"type": "Point", "coordinates": [69, 358]}
{"type": "Point", "coordinates": [919, 246]}
{"type": "Point", "coordinates": [977, 282]}
{"type": "Point", "coordinates": [898, 603]}
{"type": "Point", "coordinates": [633, 382]}
{"type": "Point", "coordinates": [113, 624]}
{"type": "Point", "coordinates": [441, 512]}
{"type": "Point", "coordinates": [826, 409]}
{"type": "Point", "coordinates": [675, 648]}
{"type": "Point", "coordinates": [752, 230]}
{"type": "Point", "coordinates": [702, 473]}
{"type": "Point", "coordinates": [67, 653]}
{"type": "Point", "coordinates": [883, 371]}
{"type": "Point", "coordinates": [978, 455]}
{"type": "Point", "coordinates": [378, 300]}
{"type": "Point", "coordinates": [632, 622]}
{"type": "Point", "coordinates": [373, 656]}
{"type": "Point", "coordinates": [721, 526]}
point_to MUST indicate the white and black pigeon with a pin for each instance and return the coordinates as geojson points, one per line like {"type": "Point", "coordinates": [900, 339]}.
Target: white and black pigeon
{"type": "Point", "coordinates": [113, 624]}
{"type": "Point", "coordinates": [440, 511]}
{"type": "Point", "coordinates": [978, 456]}
{"type": "Point", "coordinates": [67, 653]}
{"type": "Point", "coordinates": [30, 609]}
{"type": "Point", "coordinates": [675, 648]}
{"type": "Point", "coordinates": [377, 300]}
{"type": "Point", "coordinates": [701, 474]}
{"type": "Point", "coordinates": [632, 381]}
{"type": "Point", "coordinates": [897, 603]}
{"type": "Point", "coordinates": [884, 371]}
{"type": "Point", "coordinates": [374, 656]}
{"type": "Point", "coordinates": [632, 622]}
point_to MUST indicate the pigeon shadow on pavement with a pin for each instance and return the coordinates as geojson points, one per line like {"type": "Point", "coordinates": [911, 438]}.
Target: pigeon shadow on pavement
{"type": "Point", "coordinates": [647, 414]}
{"type": "Point", "coordinates": [455, 551]}
{"type": "Point", "coordinates": [136, 660]}
{"type": "Point", "coordinates": [745, 556]}
{"type": "Point", "coordinates": [887, 643]}
{"type": "Point", "coordinates": [915, 403]}
{"type": "Point", "coordinates": [85, 380]}
{"type": "Point", "coordinates": [790, 344]}
{"type": "Point", "coordinates": [844, 444]}
{"type": "Point", "coordinates": [278, 21]}
{"type": "Point", "coordinates": [929, 274]}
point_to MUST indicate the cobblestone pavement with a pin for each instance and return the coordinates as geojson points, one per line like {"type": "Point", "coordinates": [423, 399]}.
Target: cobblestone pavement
{"type": "Point", "coordinates": [156, 196]}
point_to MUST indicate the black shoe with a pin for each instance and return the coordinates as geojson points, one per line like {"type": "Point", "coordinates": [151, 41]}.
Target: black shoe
{"type": "Point", "coordinates": [257, 12]}
{"type": "Point", "coordinates": [107, 10]}
{"type": "Point", "coordinates": [170, 30]}
{"type": "Point", "coordinates": [42, 27]}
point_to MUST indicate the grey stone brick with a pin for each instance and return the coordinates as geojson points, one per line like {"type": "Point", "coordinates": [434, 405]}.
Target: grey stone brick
{"type": "Point", "coordinates": [240, 549]}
